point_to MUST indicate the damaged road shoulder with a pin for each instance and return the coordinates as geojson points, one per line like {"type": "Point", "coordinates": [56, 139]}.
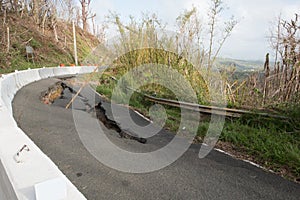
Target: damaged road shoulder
{"type": "Point", "coordinates": [61, 90]}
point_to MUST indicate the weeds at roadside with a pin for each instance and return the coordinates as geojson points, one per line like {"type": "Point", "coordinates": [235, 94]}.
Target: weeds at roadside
{"type": "Point", "coordinates": [272, 143]}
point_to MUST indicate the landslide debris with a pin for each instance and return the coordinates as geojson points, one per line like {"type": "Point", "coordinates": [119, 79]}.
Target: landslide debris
{"type": "Point", "coordinates": [54, 92]}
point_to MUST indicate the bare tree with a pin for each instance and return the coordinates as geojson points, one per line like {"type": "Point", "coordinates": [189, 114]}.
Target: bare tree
{"type": "Point", "coordinates": [281, 85]}
{"type": "Point", "coordinates": [191, 33]}
{"type": "Point", "coordinates": [86, 13]}
{"type": "Point", "coordinates": [229, 26]}
{"type": "Point", "coordinates": [189, 39]}
{"type": "Point", "coordinates": [53, 18]}
{"type": "Point", "coordinates": [66, 9]}
{"type": "Point", "coordinates": [275, 38]}
{"type": "Point", "coordinates": [94, 25]}
{"type": "Point", "coordinates": [35, 8]}
{"type": "Point", "coordinates": [216, 39]}
{"type": "Point", "coordinates": [215, 9]}
{"type": "Point", "coordinates": [71, 8]}
{"type": "Point", "coordinates": [100, 33]}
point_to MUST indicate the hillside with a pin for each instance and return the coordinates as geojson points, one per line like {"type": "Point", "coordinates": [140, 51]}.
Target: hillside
{"type": "Point", "coordinates": [47, 51]}
{"type": "Point", "coordinates": [242, 65]}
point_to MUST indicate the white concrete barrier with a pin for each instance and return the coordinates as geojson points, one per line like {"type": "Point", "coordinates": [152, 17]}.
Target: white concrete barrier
{"type": "Point", "coordinates": [27, 76]}
{"type": "Point", "coordinates": [8, 90]}
{"type": "Point", "coordinates": [61, 71]}
{"type": "Point", "coordinates": [46, 73]}
{"type": "Point", "coordinates": [6, 189]}
{"type": "Point", "coordinates": [35, 168]}
{"type": "Point", "coordinates": [84, 70]}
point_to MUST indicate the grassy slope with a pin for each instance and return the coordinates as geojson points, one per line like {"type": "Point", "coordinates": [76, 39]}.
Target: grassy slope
{"type": "Point", "coordinates": [48, 52]}
{"type": "Point", "coordinates": [274, 144]}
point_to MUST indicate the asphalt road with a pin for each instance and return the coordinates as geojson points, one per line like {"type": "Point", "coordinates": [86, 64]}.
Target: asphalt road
{"type": "Point", "coordinates": [218, 176]}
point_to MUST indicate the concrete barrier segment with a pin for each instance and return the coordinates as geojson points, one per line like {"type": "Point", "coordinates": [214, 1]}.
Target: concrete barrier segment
{"type": "Point", "coordinates": [21, 172]}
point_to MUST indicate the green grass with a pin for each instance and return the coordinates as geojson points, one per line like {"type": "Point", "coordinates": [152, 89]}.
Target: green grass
{"type": "Point", "coordinates": [273, 143]}
{"type": "Point", "coordinates": [48, 52]}
{"type": "Point", "coordinates": [18, 62]}
{"type": "Point", "coordinates": [274, 148]}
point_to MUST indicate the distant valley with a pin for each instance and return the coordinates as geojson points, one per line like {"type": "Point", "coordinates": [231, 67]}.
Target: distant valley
{"type": "Point", "coordinates": [241, 65]}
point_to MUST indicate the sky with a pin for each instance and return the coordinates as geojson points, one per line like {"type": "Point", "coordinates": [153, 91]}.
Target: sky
{"type": "Point", "coordinates": [249, 39]}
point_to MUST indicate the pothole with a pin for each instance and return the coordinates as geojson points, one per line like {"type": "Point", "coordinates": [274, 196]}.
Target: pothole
{"type": "Point", "coordinates": [54, 92]}
{"type": "Point", "coordinates": [79, 174]}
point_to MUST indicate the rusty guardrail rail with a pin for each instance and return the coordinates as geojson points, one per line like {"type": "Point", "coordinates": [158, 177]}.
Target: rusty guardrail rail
{"type": "Point", "coordinates": [199, 108]}
{"type": "Point", "coordinates": [228, 112]}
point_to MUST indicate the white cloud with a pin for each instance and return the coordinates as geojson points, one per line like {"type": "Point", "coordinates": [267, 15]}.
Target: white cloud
{"type": "Point", "coordinates": [249, 38]}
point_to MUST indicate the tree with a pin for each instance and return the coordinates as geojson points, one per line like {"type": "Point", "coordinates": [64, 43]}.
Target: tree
{"type": "Point", "coordinates": [282, 85]}
{"type": "Point", "coordinates": [69, 10]}
{"type": "Point", "coordinates": [191, 32]}
{"type": "Point", "coordinates": [86, 13]}
{"type": "Point", "coordinates": [189, 37]}
{"type": "Point", "coordinates": [215, 9]}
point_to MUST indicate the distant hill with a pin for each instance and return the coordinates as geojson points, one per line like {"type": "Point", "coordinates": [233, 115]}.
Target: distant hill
{"type": "Point", "coordinates": [241, 65]}
{"type": "Point", "coordinates": [47, 51]}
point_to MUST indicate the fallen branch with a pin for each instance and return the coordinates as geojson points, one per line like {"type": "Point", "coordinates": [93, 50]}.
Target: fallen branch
{"type": "Point", "coordinates": [84, 84]}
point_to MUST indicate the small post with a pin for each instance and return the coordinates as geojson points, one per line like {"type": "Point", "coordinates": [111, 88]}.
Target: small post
{"type": "Point", "coordinates": [8, 40]}
{"type": "Point", "coordinates": [75, 44]}
{"type": "Point", "coordinates": [4, 17]}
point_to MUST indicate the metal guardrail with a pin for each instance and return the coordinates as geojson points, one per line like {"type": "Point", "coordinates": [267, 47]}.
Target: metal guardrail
{"type": "Point", "coordinates": [228, 112]}
{"type": "Point", "coordinates": [199, 108]}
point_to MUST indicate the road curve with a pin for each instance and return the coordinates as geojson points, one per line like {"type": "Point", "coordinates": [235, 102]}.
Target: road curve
{"type": "Point", "coordinates": [218, 176]}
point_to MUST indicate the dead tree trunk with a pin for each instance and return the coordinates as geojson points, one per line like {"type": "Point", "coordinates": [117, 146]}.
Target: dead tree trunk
{"type": "Point", "coordinates": [8, 40]}
{"type": "Point", "coordinates": [267, 74]}
{"type": "Point", "coordinates": [85, 13]}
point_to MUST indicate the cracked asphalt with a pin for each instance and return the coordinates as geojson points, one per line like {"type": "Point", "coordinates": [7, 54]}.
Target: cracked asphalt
{"type": "Point", "coordinates": [217, 176]}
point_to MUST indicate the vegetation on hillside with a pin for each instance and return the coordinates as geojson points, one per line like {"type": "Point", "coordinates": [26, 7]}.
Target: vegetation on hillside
{"type": "Point", "coordinates": [279, 83]}
{"type": "Point", "coordinates": [192, 51]}
{"type": "Point", "coordinates": [273, 143]}
{"type": "Point", "coordinates": [50, 37]}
